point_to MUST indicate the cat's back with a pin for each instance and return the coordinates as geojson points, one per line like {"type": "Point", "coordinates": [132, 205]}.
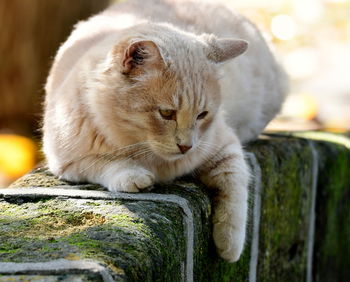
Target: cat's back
{"type": "Point", "coordinates": [197, 16]}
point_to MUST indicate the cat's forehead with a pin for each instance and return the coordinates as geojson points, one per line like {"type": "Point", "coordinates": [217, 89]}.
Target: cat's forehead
{"type": "Point", "coordinates": [188, 79]}
{"type": "Point", "coordinates": [190, 89]}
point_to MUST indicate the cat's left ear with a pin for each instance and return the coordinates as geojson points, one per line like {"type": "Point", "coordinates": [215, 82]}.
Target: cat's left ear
{"type": "Point", "coordinates": [219, 50]}
{"type": "Point", "coordinates": [137, 57]}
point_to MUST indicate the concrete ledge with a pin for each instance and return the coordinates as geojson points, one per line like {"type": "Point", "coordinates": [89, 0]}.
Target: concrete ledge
{"type": "Point", "coordinates": [56, 270]}
{"type": "Point", "coordinates": [298, 224]}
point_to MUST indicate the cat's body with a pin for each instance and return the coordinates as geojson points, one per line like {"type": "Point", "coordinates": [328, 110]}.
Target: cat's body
{"type": "Point", "coordinates": [132, 101]}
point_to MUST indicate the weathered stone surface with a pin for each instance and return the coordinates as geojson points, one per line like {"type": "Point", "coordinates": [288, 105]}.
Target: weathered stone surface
{"type": "Point", "coordinates": [331, 248]}
{"type": "Point", "coordinates": [41, 177]}
{"type": "Point", "coordinates": [205, 261]}
{"type": "Point", "coordinates": [138, 240]}
{"type": "Point", "coordinates": [51, 278]}
{"type": "Point", "coordinates": [165, 234]}
{"type": "Point", "coordinates": [206, 264]}
{"type": "Point", "coordinates": [55, 270]}
{"type": "Point", "coordinates": [285, 164]}
{"type": "Point", "coordinates": [332, 236]}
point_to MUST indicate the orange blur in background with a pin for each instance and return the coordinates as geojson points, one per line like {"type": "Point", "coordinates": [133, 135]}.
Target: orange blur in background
{"type": "Point", "coordinates": [18, 155]}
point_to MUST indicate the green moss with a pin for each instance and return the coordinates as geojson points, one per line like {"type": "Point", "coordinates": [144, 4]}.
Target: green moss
{"type": "Point", "coordinates": [138, 239]}
{"type": "Point", "coordinates": [54, 223]}
{"type": "Point", "coordinates": [332, 242]}
{"type": "Point", "coordinates": [95, 204]}
{"type": "Point", "coordinates": [9, 248]}
{"type": "Point", "coordinates": [41, 177]}
{"type": "Point", "coordinates": [286, 165]}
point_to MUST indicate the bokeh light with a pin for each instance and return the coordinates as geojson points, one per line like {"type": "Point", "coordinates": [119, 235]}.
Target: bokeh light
{"type": "Point", "coordinates": [311, 39]}
{"type": "Point", "coordinates": [302, 62]}
{"type": "Point", "coordinates": [17, 157]}
{"type": "Point", "coordinates": [283, 27]}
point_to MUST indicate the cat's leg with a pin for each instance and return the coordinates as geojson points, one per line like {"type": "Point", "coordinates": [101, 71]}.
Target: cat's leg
{"type": "Point", "coordinates": [116, 176]}
{"type": "Point", "coordinates": [228, 174]}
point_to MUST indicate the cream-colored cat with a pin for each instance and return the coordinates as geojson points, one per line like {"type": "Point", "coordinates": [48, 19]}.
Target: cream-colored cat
{"type": "Point", "coordinates": [149, 90]}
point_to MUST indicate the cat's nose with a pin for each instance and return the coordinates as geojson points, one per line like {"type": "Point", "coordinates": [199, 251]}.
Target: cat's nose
{"type": "Point", "coordinates": [184, 148]}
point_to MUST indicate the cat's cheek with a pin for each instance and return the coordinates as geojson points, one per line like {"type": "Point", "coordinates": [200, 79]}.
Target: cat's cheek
{"type": "Point", "coordinates": [157, 127]}
{"type": "Point", "coordinates": [205, 124]}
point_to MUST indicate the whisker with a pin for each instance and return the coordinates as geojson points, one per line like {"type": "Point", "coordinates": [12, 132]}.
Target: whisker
{"type": "Point", "coordinates": [136, 154]}
{"type": "Point", "coordinates": [210, 144]}
{"type": "Point", "coordinates": [110, 156]}
{"type": "Point", "coordinates": [160, 145]}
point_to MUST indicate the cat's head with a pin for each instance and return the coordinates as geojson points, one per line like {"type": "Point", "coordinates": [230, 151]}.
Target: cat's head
{"type": "Point", "coordinates": [162, 88]}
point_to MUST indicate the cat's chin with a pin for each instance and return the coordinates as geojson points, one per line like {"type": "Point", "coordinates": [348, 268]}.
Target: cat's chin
{"type": "Point", "coordinates": [170, 156]}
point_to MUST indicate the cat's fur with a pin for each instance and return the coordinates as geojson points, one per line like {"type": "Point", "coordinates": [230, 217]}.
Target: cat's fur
{"type": "Point", "coordinates": [117, 70]}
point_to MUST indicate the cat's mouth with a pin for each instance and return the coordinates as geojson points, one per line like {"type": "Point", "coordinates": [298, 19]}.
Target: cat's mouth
{"type": "Point", "coordinates": [168, 153]}
{"type": "Point", "coordinates": [172, 156]}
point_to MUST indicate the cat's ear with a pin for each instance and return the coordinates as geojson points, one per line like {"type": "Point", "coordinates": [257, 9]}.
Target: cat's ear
{"type": "Point", "coordinates": [222, 49]}
{"type": "Point", "coordinates": [137, 57]}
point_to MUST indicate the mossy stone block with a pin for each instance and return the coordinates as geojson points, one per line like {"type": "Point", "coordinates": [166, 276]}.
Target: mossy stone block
{"type": "Point", "coordinates": [149, 239]}
{"type": "Point", "coordinates": [135, 241]}
{"type": "Point", "coordinates": [207, 266]}
{"type": "Point", "coordinates": [332, 236]}
{"type": "Point", "coordinates": [286, 165]}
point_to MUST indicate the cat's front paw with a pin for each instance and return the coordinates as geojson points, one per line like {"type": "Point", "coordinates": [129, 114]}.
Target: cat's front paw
{"type": "Point", "coordinates": [130, 180]}
{"type": "Point", "coordinates": [229, 242]}
{"type": "Point", "coordinates": [229, 235]}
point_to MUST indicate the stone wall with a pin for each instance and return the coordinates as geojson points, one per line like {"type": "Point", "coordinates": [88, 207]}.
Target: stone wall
{"type": "Point", "coordinates": [299, 223]}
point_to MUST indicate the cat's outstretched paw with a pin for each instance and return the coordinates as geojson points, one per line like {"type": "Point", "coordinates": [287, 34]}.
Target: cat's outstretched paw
{"type": "Point", "coordinates": [131, 180]}
{"type": "Point", "coordinates": [228, 232]}
{"type": "Point", "coordinates": [229, 241]}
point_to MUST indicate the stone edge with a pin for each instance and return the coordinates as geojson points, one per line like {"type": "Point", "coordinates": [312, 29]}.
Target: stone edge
{"type": "Point", "coordinates": [55, 266]}
{"type": "Point", "coordinates": [257, 190]}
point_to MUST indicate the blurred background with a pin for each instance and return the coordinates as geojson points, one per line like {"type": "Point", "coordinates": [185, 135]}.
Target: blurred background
{"type": "Point", "coordinates": [311, 39]}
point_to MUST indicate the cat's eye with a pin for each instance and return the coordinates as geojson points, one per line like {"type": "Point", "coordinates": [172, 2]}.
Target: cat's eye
{"type": "Point", "coordinates": [168, 114]}
{"type": "Point", "coordinates": [202, 115]}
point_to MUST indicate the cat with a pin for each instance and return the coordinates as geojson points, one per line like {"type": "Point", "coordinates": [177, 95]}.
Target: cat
{"type": "Point", "coordinates": [147, 91]}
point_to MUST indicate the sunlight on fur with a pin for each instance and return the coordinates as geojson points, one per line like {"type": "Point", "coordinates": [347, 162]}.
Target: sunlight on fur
{"type": "Point", "coordinates": [126, 95]}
